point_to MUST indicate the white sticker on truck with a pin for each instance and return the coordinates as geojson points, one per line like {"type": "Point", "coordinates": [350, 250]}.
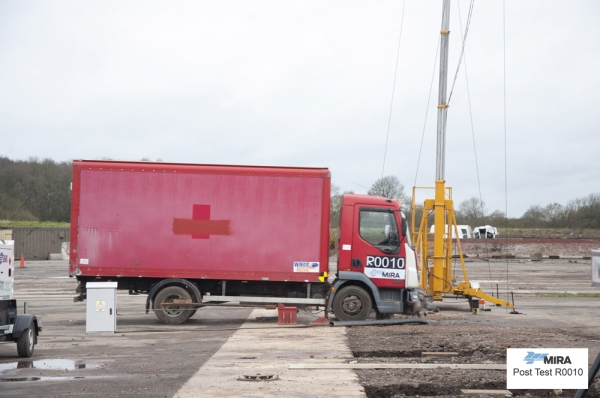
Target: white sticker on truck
{"type": "Point", "coordinates": [346, 247]}
{"type": "Point", "coordinates": [385, 273]}
{"type": "Point", "coordinates": [306, 266]}
{"type": "Point", "coordinates": [383, 267]}
{"type": "Point", "coordinates": [83, 261]}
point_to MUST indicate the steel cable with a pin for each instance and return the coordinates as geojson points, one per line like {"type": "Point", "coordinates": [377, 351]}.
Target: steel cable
{"type": "Point", "coordinates": [475, 146]}
{"type": "Point", "coordinates": [462, 52]}
{"type": "Point", "coordinates": [393, 91]}
{"type": "Point", "coordinates": [427, 111]}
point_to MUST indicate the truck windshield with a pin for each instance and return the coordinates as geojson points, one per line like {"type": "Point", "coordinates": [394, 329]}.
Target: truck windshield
{"type": "Point", "coordinates": [379, 228]}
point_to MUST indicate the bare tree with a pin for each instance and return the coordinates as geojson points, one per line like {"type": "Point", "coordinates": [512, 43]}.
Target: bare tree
{"type": "Point", "coordinates": [472, 210]}
{"type": "Point", "coordinates": [13, 209]}
{"type": "Point", "coordinates": [535, 216]}
{"type": "Point", "coordinates": [389, 187]}
{"type": "Point", "coordinates": [497, 217]}
{"type": "Point", "coordinates": [336, 204]}
{"type": "Point", "coordinates": [554, 214]}
{"type": "Point", "coordinates": [583, 212]}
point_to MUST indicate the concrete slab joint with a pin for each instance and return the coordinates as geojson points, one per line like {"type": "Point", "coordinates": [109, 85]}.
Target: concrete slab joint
{"type": "Point", "coordinates": [274, 349]}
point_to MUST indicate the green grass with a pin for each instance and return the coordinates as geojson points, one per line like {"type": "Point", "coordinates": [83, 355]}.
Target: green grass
{"type": "Point", "coordinates": [7, 224]}
{"type": "Point", "coordinates": [569, 295]}
{"type": "Point", "coordinates": [549, 233]}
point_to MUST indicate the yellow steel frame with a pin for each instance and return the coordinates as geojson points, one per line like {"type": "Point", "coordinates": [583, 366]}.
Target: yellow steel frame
{"type": "Point", "coordinates": [435, 255]}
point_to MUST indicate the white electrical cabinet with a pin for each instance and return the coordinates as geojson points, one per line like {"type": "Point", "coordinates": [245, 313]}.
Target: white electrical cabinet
{"type": "Point", "coordinates": [101, 314]}
{"type": "Point", "coordinates": [596, 267]}
{"type": "Point", "coordinates": [7, 268]}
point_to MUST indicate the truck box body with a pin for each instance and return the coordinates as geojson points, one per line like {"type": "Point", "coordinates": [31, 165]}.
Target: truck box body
{"type": "Point", "coordinates": [162, 220]}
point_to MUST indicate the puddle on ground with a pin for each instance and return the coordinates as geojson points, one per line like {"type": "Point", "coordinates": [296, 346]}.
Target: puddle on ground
{"type": "Point", "coordinates": [50, 364]}
{"type": "Point", "coordinates": [18, 379]}
{"type": "Point", "coordinates": [37, 378]}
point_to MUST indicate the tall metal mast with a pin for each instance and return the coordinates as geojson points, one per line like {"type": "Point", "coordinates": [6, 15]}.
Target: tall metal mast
{"type": "Point", "coordinates": [442, 104]}
{"type": "Point", "coordinates": [437, 278]}
{"type": "Point", "coordinates": [440, 266]}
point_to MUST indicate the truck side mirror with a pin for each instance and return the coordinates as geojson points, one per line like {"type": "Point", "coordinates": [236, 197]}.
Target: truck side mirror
{"type": "Point", "coordinates": [404, 226]}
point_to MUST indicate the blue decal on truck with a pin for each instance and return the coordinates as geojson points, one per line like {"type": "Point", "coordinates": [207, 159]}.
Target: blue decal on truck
{"type": "Point", "coordinates": [306, 266]}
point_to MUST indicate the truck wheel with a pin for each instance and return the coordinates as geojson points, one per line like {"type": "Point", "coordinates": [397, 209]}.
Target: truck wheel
{"type": "Point", "coordinates": [25, 343]}
{"type": "Point", "coordinates": [172, 314]}
{"type": "Point", "coordinates": [352, 303]}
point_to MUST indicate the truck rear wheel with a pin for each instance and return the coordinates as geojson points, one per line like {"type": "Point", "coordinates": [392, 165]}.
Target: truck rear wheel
{"type": "Point", "coordinates": [25, 343]}
{"type": "Point", "coordinates": [352, 303]}
{"type": "Point", "coordinates": [173, 314]}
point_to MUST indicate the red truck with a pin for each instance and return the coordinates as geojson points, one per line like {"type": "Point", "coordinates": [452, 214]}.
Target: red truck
{"type": "Point", "coordinates": [192, 235]}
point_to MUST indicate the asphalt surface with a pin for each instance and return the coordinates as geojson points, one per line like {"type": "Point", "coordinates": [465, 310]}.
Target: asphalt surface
{"type": "Point", "coordinates": [144, 358]}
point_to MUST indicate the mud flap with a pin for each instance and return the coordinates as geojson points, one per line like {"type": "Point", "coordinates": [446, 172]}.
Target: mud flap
{"type": "Point", "coordinates": [417, 300]}
{"type": "Point", "coordinates": [24, 322]}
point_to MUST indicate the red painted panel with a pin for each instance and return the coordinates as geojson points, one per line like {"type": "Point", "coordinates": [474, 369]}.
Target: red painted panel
{"type": "Point", "coordinates": [140, 219]}
{"type": "Point", "coordinates": [200, 229]}
{"type": "Point", "coordinates": [201, 212]}
{"type": "Point", "coordinates": [73, 235]}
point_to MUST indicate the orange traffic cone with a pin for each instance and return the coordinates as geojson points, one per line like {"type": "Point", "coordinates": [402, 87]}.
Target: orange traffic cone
{"type": "Point", "coordinates": [22, 265]}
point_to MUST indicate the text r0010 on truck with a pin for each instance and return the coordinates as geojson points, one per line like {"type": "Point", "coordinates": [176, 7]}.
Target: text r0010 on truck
{"type": "Point", "coordinates": [194, 235]}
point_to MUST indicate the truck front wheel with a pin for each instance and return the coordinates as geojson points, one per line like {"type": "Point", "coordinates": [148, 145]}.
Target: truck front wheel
{"type": "Point", "coordinates": [173, 314]}
{"type": "Point", "coordinates": [352, 303]}
{"type": "Point", "coordinates": [25, 343]}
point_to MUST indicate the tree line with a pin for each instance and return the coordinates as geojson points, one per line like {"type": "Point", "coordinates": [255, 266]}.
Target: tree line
{"type": "Point", "coordinates": [39, 190]}
{"type": "Point", "coordinates": [579, 213]}
{"type": "Point", "coordinates": [35, 190]}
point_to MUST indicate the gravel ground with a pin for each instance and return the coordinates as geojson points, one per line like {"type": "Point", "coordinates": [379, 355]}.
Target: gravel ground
{"type": "Point", "coordinates": [545, 321]}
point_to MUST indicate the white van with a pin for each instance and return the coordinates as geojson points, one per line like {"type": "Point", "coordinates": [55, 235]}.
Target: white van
{"type": "Point", "coordinates": [486, 231]}
{"type": "Point", "coordinates": [464, 231]}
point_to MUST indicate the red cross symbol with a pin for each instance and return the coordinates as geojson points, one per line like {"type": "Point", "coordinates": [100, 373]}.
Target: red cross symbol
{"type": "Point", "coordinates": [200, 226]}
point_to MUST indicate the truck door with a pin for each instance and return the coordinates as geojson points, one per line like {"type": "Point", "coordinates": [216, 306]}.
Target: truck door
{"type": "Point", "coordinates": [377, 246]}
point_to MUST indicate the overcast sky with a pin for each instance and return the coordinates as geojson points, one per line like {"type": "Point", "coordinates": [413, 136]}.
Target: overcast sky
{"type": "Point", "coordinates": [309, 83]}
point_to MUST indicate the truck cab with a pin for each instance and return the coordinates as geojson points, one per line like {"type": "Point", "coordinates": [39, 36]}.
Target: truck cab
{"type": "Point", "coordinates": [377, 266]}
